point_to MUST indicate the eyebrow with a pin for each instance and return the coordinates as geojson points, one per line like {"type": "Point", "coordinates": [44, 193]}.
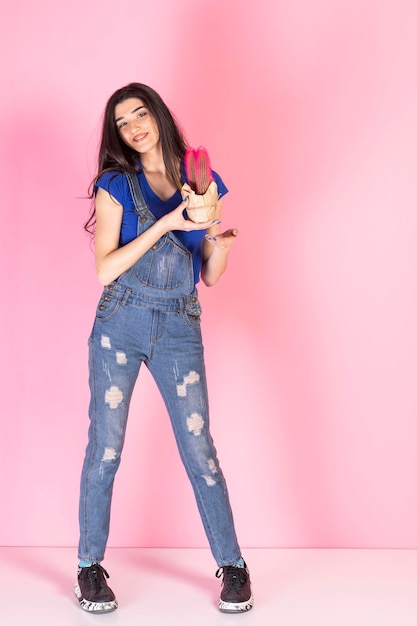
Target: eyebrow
{"type": "Point", "coordinates": [134, 111]}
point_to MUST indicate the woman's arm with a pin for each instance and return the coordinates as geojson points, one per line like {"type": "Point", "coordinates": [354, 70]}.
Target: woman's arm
{"type": "Point", "coordinates": [111, 261]}
{"type": "Point", "coordinates": [216, 248]}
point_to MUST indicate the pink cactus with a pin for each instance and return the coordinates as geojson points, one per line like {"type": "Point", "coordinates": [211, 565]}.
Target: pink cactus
{"type": "Point", "coordinates": [198, 169]}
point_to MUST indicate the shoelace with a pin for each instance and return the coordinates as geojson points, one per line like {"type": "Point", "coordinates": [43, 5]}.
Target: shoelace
{"type": "Point", "coordinates": [233, 577]}
{"type": "Point", "coordinates": [96, 575]}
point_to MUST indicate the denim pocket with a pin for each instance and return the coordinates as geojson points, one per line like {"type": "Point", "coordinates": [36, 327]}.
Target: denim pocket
{"type": "Point", "coordinates": [192, 313]}
{"type": "Point", "coordinates": [107, 307]}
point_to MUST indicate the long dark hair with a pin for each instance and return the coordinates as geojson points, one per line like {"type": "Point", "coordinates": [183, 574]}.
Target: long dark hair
{"type": "Point", "coordinates": [115, 155]}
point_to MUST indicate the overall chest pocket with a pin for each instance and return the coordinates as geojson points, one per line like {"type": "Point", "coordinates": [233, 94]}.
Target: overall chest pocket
{"type": "Point", "coordinates": [165, 266]}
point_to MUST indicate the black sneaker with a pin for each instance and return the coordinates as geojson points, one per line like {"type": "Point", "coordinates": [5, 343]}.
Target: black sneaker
{"type": "Point", "coordinates": [92, 590]}
{"type": "Point", "coordinates": [236, 595]}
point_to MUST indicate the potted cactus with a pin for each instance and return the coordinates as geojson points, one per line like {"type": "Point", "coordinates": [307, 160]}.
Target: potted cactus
{"type": "Point", "coordinates": [201, 188]}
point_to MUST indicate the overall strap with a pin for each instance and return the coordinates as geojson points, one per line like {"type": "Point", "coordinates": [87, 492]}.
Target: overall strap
{"type": "Point", "coordinates": [137, 195]}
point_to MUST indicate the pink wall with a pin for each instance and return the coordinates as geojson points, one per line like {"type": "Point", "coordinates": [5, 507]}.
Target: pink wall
{"type": "Point", "coordinates": [308, 109]}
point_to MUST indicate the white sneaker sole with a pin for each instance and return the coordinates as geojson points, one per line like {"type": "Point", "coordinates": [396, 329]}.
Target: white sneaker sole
{"type": "Point", "coordinates": [235, 607]}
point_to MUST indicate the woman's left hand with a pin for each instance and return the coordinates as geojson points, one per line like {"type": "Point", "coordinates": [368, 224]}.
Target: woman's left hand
{"type": "Point", "coordinates": [223, 240]}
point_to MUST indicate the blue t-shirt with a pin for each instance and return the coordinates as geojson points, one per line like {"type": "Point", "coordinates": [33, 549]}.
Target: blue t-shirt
{"type": "Point", "coordinates": [116, 184]}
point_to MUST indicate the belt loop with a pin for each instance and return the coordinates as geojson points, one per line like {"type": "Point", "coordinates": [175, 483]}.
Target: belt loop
{"type": "Point", "coordinates": [126, 296]}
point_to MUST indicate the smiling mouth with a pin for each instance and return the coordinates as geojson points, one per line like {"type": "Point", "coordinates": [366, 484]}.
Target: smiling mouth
{"type": "Point", "coordinates": [140, 137]}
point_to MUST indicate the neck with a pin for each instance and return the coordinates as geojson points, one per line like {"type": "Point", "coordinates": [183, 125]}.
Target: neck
{"type": "Point", "coordinates": [153, 162]}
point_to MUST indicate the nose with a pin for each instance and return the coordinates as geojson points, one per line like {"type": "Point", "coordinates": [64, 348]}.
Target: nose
{"type": "Point", "coordinates": [132, 126]}
{"type": "Point", "coordinates": [135, 126]}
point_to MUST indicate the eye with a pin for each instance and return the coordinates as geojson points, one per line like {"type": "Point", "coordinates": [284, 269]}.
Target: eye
{"type": "Point", "coordinates": [142, 113]}
{"type": "Point", "coordinates": [120, 126]}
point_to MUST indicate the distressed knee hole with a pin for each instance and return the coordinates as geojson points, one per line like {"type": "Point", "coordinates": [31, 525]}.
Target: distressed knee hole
{"type": "Point", "coordinates": [212, 466]}
{"type": "Point", "coordinates": [105, 342]}
{"type": "Point", "coordinates": [195, 424]}
{"type": "Point", "coordinates": [113, 397]}
{"type": "Point", "coordinates": [109, 454]}
{"type": "Point", "coordinates": [121, 358]}
{"type": "Point", "coordinates": [209, 480]}
{"type": "Point", "coordinates": [190, 379]}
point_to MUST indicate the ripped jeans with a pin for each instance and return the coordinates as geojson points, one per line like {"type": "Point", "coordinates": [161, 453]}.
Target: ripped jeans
{"type": "Point", "coordinates": [164, 333]}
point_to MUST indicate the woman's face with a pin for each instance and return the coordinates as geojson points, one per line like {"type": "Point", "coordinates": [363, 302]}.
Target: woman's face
{"type": "Point", "coordinates": [136, 125]}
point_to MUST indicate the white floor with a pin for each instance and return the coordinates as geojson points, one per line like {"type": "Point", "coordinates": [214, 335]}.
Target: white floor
{"type": "Point", "coordinates": [177, 588]}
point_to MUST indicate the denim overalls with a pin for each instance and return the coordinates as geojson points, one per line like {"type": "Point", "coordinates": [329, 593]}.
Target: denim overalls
{"type": "Point", "coordinates": [151, 314]}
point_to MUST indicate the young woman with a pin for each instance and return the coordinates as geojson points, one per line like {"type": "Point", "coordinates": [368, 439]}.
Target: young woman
{"type": "Point", "coordinates": [149, 257]}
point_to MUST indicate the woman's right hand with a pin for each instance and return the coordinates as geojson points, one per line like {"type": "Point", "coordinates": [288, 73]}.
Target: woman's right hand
{"type": "Point", "coordinates": [175, 220]}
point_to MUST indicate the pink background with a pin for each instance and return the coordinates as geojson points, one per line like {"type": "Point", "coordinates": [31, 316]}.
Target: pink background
{"type": "Point", "coordinates": [308, 109]}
